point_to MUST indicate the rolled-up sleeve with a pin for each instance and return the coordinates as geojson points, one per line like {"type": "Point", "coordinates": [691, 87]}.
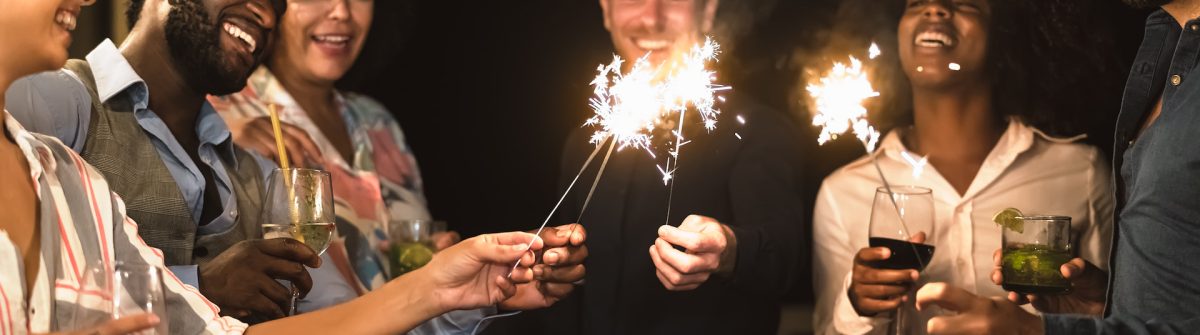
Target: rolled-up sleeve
{"type": "Point", "coordinates": [53, 103]}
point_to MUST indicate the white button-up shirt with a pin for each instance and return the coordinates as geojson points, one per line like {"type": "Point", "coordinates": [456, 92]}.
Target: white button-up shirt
{"type": "Point", "coordinates": [1027, 169]}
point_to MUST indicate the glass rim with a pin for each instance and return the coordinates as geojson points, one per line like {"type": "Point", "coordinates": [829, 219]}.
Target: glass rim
{"type": "Point", "coordinates": [904, 190]}
{"type": "Point", "coordinates": [303, 170]}
{"type": "Point", "coordinates": [1044, 218]}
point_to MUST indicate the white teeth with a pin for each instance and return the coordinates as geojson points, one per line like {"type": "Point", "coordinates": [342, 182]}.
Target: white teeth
{"type": "Point", "coordinates": [332, 38]}
{"type": "Point", "coordinates": [934, 40]}
{"type": "Point", "coordinates": [652, 44]}
{"type": "Point", "coordinates": [240, 34]}
{"type": "Point", "coordinates": [65, 19]}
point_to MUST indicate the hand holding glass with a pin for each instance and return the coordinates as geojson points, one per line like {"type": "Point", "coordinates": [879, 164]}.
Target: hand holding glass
{"type": "Point", "coordinates": [299, 205]}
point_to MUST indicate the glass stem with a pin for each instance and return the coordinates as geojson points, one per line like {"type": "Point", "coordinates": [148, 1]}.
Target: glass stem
{"type": "Point", "coordinates": [295, 296]}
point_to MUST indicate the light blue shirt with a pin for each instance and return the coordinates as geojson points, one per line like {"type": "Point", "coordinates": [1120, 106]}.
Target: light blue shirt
{"type": "Point", "coordinates": [56, 103]}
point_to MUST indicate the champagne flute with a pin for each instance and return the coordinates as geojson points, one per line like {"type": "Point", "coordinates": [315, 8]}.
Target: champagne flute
{"type": "Point", "coordinates": [299, 205]}
{"type": "Point", "coordinates": [893, 225]}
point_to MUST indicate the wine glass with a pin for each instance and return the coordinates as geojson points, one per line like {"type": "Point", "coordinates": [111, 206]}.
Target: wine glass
{"type": "Point", "coordinates": [125, 290]}
{"type": "Point", "coordinates": [898, 220]}
{"type": "Point", "coordinates": [299, 205]}
{"type": "Point", "coordinates": [139, 289]}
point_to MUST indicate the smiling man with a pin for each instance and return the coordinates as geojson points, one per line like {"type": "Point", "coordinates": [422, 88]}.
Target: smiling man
{"type": "Point", "coordinates": [720, 263]}
{"type": "Point", "coordinates": [168, 154]}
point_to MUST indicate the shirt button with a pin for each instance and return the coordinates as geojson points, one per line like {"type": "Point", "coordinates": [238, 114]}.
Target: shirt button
{"type": "Point", "coordinates": [1194, 27]}
{"type": "Point", "coordinates": [1176, 80]}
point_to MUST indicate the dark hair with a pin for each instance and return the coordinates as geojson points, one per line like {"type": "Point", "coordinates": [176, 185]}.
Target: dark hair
{"type": "Point", "coordinates": [134, 11]}
{"type": "Point", "coordinates": [1049, 61]}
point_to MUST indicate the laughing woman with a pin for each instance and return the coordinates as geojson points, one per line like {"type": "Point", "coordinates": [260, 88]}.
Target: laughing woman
{"type": "Point", "coordinates": [977, 109]}
{"type": "Point", "coordinates": [375, 175]}
{"type": "Point", "coordinates": [61, 218]}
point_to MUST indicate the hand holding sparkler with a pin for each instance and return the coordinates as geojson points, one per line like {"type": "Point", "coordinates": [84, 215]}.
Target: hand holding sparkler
{"type": "Point", "coordinates": [630, 106]}
{"type": "Point", "coordinates": [557, 269]}
{"type": "Point", "coordinates": [710, 249]}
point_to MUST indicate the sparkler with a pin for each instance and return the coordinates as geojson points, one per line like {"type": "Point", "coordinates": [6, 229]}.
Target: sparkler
{"type": "Point", "coordinates": [629, 107]}
{"type": "Point", "coordinates": [839, 98]}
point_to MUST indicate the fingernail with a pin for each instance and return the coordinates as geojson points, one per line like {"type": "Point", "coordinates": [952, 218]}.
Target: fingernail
{"type": "Point", "coordinates": [154, 319]}
{"type": "Point", "coordinates": [916, 275]}
{"type": "Point", "coordinates": [563, 233]}
{"type": "Point", "coordinates": [537, 271]}
{"type": "Point", "coordinates": [521, 247]}
{"type": "Point", "coordinates": [550, 257]}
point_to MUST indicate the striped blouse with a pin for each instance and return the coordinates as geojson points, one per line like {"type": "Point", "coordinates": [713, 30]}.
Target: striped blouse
{"type": "Point", "coordinates": [83, 226]}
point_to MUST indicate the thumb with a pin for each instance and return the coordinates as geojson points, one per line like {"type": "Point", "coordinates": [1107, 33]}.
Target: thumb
{"type": "Point", "coordinates": [945, 296]}
{"type": "Point", "coordinates": [506, 247]}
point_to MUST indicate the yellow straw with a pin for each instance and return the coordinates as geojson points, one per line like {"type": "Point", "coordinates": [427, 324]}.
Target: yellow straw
{"type": "Point", "coordinates": [279, 146]}
{"type": "Point", "coordinates": [293, 211]}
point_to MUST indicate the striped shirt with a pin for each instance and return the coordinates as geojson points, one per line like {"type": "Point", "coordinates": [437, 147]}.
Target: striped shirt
{"type": "Point", "coordinates": [83, 226]}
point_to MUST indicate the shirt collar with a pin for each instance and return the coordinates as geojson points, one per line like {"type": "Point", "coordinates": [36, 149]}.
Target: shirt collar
{"type": "Point", "coordinates": [267, 88]}
{"type": "Point", "coordinates": [1017, 139]}
{"type": "Point", "coordinates": [36, 154]}
{"type": "Point", "coordinates": [211, 129]}
{"type": "Point", "coordinates": [114, 75]}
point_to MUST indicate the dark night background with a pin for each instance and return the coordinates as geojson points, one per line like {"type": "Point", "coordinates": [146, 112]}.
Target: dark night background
{"type": "Point", "coordinates": [487, 91]}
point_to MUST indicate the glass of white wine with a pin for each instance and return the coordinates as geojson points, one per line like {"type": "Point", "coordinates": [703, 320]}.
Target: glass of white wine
{"type": "Point", "coordinates": [299, 205]}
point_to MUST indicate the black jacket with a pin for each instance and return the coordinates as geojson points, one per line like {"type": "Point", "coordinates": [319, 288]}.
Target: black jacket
{"type": "Point", "coordinates": [752, 184]}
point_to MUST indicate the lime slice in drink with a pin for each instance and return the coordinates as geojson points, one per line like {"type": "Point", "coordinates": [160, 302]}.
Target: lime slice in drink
{"type": "Point", "coordinates": [1010, 218]}
{"type": "Point", "coordinates": [415, 256]}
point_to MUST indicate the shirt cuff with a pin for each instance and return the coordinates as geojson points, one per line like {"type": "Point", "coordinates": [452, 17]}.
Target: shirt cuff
{"type": "Point", "coordinates": [847, 321]}
{"type": "Point", "coordinates": [460, 322]}
{"type": "Point", "coordinates": [188, 274]}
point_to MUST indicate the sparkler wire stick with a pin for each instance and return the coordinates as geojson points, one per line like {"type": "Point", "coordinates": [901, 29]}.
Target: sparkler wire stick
{"type": "Point", "coordinates": [675, 155]}
{"type": "Point", "coordinates": [564, 196]}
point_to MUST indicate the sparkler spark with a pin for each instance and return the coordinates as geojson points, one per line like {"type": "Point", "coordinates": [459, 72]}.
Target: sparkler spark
{"type": "Point", "coordinates": [839, 98]}
{"type": "Point", "coordinates": [630, 106]}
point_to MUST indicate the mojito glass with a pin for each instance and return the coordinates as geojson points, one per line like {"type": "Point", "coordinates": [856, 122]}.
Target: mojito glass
{"type": "Point", "coordinates": [1033, 254]}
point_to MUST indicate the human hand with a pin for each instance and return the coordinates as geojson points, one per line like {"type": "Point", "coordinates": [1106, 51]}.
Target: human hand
{"type": "Point", "coordinates": [975, 315]}
{"type": "Point", "coordinates": [124, 325]}
{"type": "Point", "coordinates": [258, 135]}
{"type": "Point", "coordinates": [556, 271]}
{"type": "Point", "coordinates": [711, 248]}
{"type": "Point", "coordinates": [475, 272]}
{"type": "Point", "coordinates": [1089, 287]}
{"type": "Point", "coordinates": [241, 280]}
{"type": "Point", "coordinates": [874, 290]}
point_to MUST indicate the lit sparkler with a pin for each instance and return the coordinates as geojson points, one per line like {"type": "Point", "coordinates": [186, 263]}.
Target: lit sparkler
{"type": "Point", "coordinates": [631, 106]}
{"type": "Point", "coordinates": [838, 99]}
